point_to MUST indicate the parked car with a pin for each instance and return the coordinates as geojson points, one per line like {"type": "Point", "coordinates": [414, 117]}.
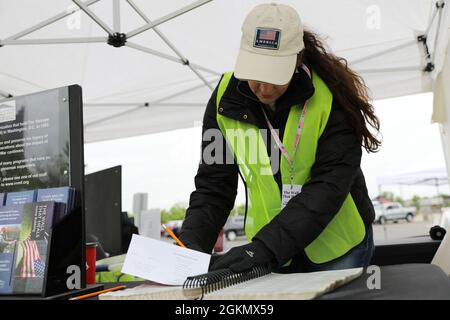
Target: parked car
{"type": "Point", "coordinates": [234, 227]}
{"type": "Point", "coordinates": [393, 211]}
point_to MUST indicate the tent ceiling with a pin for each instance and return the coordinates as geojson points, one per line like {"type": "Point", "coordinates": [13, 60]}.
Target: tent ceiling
{"type": "Point", "coordinates": [145, 87]}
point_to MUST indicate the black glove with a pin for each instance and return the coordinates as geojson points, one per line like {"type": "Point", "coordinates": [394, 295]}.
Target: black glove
{"type": "Point", "coordinates": [214, 258]}
{"type": "Point", "coordinates": [243, 258]}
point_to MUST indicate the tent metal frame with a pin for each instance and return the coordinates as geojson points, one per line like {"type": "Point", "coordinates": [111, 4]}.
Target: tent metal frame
{"type": "Point", "coordinates": [138, 106]}
{"type": "Point", "coordinates": [118, 39]}
{"type": "Point", "coordinates": [439, 5]}
{"type": "Point", "coordinates": [114, 34]}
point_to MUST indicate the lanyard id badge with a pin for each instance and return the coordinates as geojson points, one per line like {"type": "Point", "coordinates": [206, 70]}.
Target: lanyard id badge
{"type": "Point", "coordinates": [289, 191]}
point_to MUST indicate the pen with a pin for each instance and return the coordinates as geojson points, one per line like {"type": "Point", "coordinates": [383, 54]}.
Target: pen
{"type": "Point", "coordinates": [94, 294]}
{"type": "Point", "coordinates": [174, 237]}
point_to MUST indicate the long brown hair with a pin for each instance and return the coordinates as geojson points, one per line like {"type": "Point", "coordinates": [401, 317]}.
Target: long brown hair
{"type": "Point", "coordinates": [347, 87]}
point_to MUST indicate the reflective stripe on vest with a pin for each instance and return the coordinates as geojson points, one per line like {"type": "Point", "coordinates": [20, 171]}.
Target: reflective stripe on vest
{"type": "Point", "coordinates": [346, 230]}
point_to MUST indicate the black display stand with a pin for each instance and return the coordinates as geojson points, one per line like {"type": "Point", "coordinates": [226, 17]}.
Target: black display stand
{"type": "Point", "coordinates": [104, 208]}
{"type": "Point", "coordinates": [66, 246]}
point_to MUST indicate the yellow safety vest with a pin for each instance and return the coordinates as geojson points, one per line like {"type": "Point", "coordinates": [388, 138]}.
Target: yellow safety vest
{"type": "Point", "coordinates": [346, 230]}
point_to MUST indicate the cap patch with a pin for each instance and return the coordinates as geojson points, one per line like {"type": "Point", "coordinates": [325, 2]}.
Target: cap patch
{"type": "Point", "coordinates": [267, 38]}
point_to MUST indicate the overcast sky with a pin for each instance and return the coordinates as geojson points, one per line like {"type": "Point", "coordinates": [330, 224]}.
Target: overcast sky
{"type": "Point", "coordinates": [164, 164]}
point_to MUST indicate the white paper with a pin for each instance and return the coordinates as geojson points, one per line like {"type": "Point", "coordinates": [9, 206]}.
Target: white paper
{"type": "Point", "coordinates": [162, 262]}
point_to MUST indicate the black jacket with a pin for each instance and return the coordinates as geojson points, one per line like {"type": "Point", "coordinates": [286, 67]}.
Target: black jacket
{"type": "Point", "coordinates": [335, 173]}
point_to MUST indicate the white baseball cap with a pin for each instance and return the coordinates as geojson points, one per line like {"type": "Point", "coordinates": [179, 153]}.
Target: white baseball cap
{"type": "Point", "coordinates": [272, 36]}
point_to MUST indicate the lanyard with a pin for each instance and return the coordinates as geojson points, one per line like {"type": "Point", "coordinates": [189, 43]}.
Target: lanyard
{"type": "Point", "coordinates": [280, 145]}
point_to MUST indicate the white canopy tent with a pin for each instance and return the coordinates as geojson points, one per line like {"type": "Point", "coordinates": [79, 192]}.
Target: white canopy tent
{"type": "Point", "coordinates": [174, 52]}
{"type": "Point", "coordinates": [432, 177]}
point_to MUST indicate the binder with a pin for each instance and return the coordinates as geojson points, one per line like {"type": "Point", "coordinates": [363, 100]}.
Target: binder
{"type": "Point", "coordinates": [256, 284]}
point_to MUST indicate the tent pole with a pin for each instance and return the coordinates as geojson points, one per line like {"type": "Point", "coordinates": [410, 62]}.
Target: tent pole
{"type": "Point", "coordinates": [439, 8]}
{"type": "Point", "coordinates": [47, 22]}
{"type": "Point", "coordinates": [139, 11]}
{"type": "Point", "coordinates": [431, 21]}
{"type": "Point", "coordinates": [171, 46]}
{"type": "Point", "coordinates": [56, 41]}
{"type": "Point", "coordinates": [157, 101]}
{"type": "Point", "coordinates": [179, 93]}
{"type": "Point", "coordinates": [179, 104]}
{"type": "Point", "coordinates": [116, 16]}
{"type": "Point", "coordinates": [215, 73]}
{"type": "Point", "coordinates": [126, 112]}
{"type": "Point", "coordinates": [423, 38]}
{"type": "Point", "coordinates": [166, 56]}
{"type": "Point", "coordinates": [93, 16]}
{"type": "Point", "coordinates": [166, 18]}
{"type": "Point", "coordinates": [153, 52]}
{"type": "Point", "coordinates": [115, 104]}
{"type": "Point", "coordinates": [163, 104]}
{"type": "Point", "coordinates": [387, 70]}
{"type": "Point", "coordinates": [383, 52]}
{"type": "Point", "coordinates": [146, 105]}
{"type": "Point", "coordinates": [401, 46]}
{"type": "Point", "coordinates": [199, 75]}
{"type": "Point", "coordinates": [33, 84]}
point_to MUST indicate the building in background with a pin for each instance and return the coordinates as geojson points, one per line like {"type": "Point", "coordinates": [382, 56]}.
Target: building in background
{"type": "Point", "coordinates": [140, 203]}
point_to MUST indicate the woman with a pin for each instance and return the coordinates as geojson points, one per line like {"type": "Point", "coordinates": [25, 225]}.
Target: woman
{"type": "Point", "coordinates": [306, 116]}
